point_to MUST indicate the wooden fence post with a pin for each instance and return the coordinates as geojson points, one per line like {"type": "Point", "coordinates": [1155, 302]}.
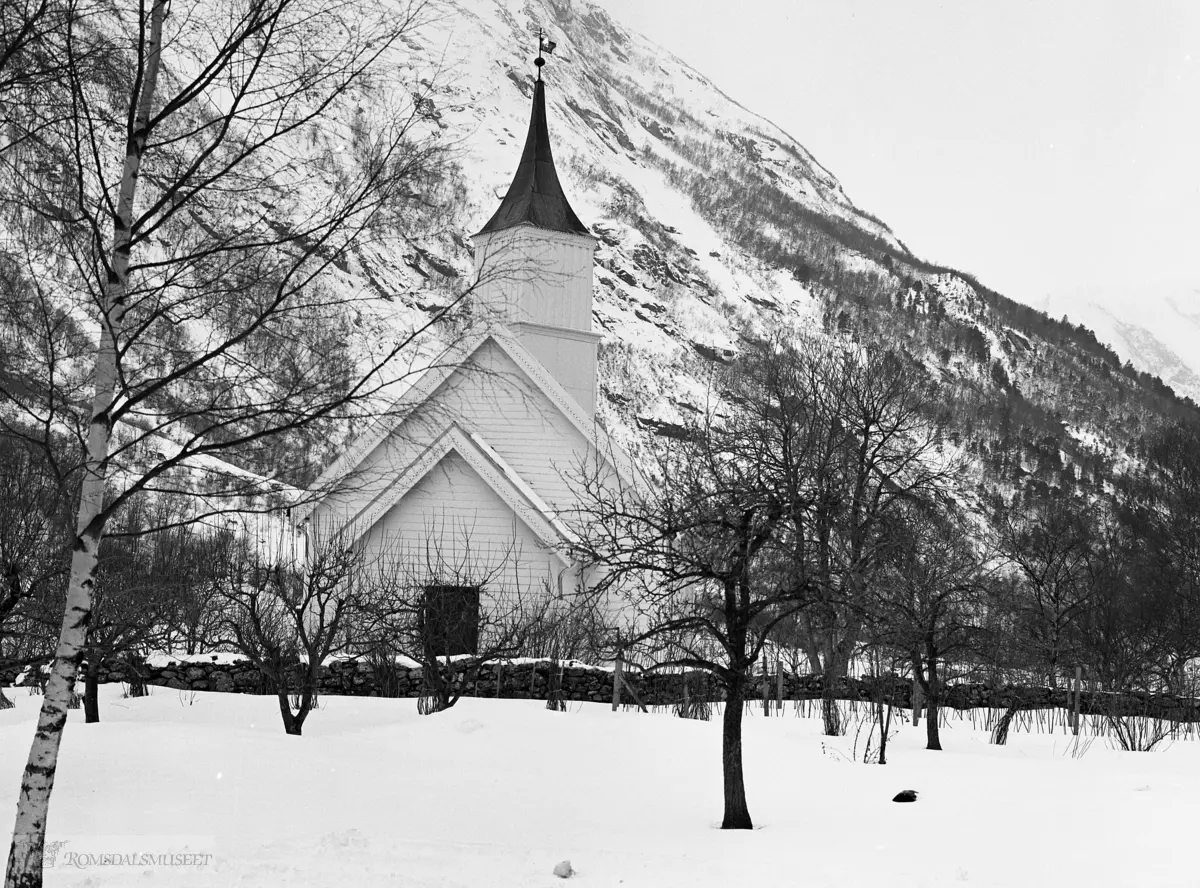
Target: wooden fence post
{"type": "Point", "coordinates": [1078, 689]}
{"type": "Point", "coordinates": [779, 685]}
{"type": "Point", "coordinates": [616, 697]}
{"type": "Point", "coordinates": [633, 694]}
{"type": "Point", "coordinates": [766, 687]}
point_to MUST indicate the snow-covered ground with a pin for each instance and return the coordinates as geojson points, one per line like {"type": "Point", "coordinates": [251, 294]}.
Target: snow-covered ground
{"type": "Point", "coordinates": [495, 793]}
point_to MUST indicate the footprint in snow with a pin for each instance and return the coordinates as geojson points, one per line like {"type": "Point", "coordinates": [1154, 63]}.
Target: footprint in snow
{"type": "Point", "coordinates": [470, 726]}
{"type": "Point", "coordinates": [350, 838]}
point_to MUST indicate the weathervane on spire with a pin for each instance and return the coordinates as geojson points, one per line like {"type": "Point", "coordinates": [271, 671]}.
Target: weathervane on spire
{"type": "Point", "coordinates": [544, 46]}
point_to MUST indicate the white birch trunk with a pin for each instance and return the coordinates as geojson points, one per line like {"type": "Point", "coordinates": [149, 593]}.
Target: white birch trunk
{"type": "Point", "coordinates": [33, 803]}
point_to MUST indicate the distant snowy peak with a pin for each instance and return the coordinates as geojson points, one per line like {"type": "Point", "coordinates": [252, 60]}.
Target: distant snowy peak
{"type": "Point", "coordinates": [1164, 341]}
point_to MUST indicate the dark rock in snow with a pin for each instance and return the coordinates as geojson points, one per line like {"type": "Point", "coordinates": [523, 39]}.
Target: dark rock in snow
{"type": "Point", "coordinates": [908, 795]}
{"type": "Point", "coordinates": [563, 870]}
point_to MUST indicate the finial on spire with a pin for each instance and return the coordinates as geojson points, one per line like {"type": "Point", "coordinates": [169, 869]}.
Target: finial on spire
{"type": "Point", "coordinates": [544, 46]}
{"type": "Point", "coordinates": [535, 196]}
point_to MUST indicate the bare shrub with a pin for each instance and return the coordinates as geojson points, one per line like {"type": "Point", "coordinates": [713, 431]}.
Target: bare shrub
{"type": "Point", "coordinates": [1138, 733]}
{"type": "Point", "coordinates": [453, 607]}
{"type": "Point", "coordinates": [693, 706]}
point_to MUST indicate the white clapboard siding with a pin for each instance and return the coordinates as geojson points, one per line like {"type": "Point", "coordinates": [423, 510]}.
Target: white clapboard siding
{"type": "Point", "coordinates": [539, 283]}
{"type": "Point", "coordinates": [492, 397]}
{"type": "Point", "coordinates": [544, 277]}
{"type": "Point", "coordinates": [452, 527]}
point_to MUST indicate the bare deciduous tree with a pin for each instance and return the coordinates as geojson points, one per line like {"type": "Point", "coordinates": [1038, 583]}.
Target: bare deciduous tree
{"type": "Point", "coordinates": [168, 286]}
{"type": "Point", "coordinates": [34, 539]}
{"type": "Point", "coordinates": [141, 576]}
{"type": "Point", "coordinates": [288, 614]}
{"type": "Point", "coordinates": [708, 560]}
{"type": "Point", "coordinates": [1050, 545]}
{"type": "Point", "coordinates": [927, 602]}
{"type": "Point", "coordinates": [769, 519]}
{"type": "Point", "coordinates": [1166, 519]}
{"type": "Point", "coordinates": [877, 446]}
{"type": "Point", "coordinates": [452, 605]}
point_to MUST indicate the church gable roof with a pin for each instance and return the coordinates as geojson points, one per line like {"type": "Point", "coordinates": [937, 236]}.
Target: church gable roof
{"type": "Point", "coordinates": [428, 384]}
{"type": "Point", "coordinates": [535, 196]}
{"type": "Point", "coordinates": [526, 505]}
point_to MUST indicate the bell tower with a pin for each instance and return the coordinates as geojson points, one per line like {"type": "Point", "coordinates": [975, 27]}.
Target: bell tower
{"type": "Point", "coordinates": [534, 259]}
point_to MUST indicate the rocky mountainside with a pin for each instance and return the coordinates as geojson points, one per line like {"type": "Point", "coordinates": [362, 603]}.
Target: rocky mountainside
{"type": "Point", "coordinates": [713, 220]}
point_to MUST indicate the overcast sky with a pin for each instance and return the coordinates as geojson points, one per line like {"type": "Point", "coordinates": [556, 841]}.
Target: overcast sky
{"type": "Point", "coordinates": [1050, 147]}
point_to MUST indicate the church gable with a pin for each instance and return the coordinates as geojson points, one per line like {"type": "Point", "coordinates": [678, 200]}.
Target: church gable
{"type": "Point", "coordinates": [487, 464]}
{"type": "Point", "coordinates": [496, 393]}
{"type": "Point", "coordinates": [453, 526]}
{"type": "Point", "coordinates": [516, 417]}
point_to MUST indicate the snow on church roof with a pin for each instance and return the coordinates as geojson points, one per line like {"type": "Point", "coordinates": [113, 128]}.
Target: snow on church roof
{"type": "Point", "coordinates": [522, 485]}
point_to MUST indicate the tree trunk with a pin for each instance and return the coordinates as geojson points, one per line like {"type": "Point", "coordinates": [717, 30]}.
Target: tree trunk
{"type": "Point", "coordinates": [33, 802]}
{"type": "Point", "coordinates": [933, 739]}
{"type": "Point", "coordinates": [137, 682]}
{"type": "Point", "coordinates": [436, 693]}
{"type": "Point", "coordinates": [885, 726]}
{"type": "Point", "coordinates": [831, 716]}
{"type": "Point", "coordinates": [91, 692]}
{"type": "Point", "coordinates": [933, 692]}
{"type": "Point", "coordinates": [290, 724]}
{"type": "Point", "coordinates": [737, 814]}
{"type": "Point", "coordinates": [883, 717]}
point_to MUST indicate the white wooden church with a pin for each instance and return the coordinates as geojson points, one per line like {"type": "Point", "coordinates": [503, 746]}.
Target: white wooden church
{"type": "Point", "coordinates": [473, 482]}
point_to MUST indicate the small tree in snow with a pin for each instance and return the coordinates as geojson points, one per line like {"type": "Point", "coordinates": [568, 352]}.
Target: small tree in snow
{"type": "Point", "coordinates": [453, 605]}
{"type": "Point", "coordinates": [289, 615]}
{"type": "Point", "coordinates": [927, 602]}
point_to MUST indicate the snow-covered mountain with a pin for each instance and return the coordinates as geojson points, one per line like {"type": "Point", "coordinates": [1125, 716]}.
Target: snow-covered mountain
{"type": "Point", "coordinates": [714, 223]}
{"type": "Point", "coordinates": [713, 220]}
{"type": "Point", "coordinates": [630, 125]}
{"type": "Point", "coordinates": [1162, 337]}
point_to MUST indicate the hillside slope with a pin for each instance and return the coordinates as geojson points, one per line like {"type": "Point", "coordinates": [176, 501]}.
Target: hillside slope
{"type": "Point", "coordinates": [713, 224]}
{"type": "Point", "coordinates": [1163, 339]}
{"type": "Point", "coordinates": [712, 220]}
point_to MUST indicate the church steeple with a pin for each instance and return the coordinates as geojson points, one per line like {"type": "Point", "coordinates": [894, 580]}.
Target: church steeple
{"type": "Point", "coordinates": [535, 196]}
{"type": "Point", "coordinates": [533, 263]}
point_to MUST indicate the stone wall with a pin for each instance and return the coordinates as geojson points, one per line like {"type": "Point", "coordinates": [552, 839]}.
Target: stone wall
{"type": "Point", "coordinates": [530, 679]}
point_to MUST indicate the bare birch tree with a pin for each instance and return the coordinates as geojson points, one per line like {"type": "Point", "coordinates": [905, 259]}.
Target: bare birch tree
{"type": "Point", "coordinates": [198, 174]}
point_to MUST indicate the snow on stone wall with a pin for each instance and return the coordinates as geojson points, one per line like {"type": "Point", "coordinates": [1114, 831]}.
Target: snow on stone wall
{"type": "Point", "coordinates": [530, 678]}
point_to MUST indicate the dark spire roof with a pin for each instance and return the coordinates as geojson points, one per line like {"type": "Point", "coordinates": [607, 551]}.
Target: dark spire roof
{"type": "Point", "coordinates": [535, 196]}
